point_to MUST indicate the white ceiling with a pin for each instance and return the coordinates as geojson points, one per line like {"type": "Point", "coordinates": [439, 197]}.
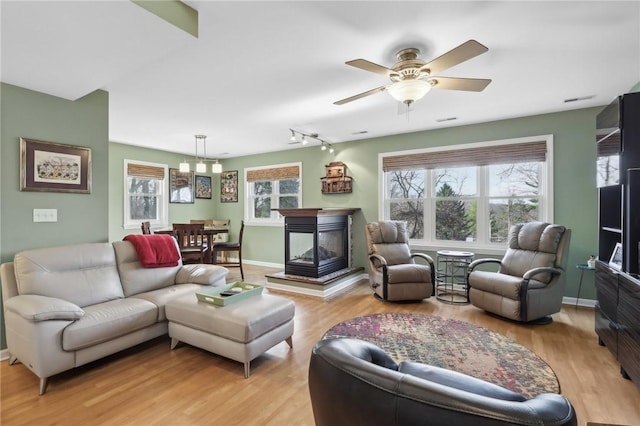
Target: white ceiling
{"type": "Point", "coordinates": [260, 68]}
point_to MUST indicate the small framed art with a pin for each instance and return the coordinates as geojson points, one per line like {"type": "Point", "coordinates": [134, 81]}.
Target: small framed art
{"type": "Point", "coordinates": [229, 187]}
{"type": "Point", "coordinates": [203, 187]}
{"type": "Point", "coordinates": [616, 257]}
{"type": "Point", "coordinates": [180, 186]}
{"type": "Point", "coordinates": [54, 167]}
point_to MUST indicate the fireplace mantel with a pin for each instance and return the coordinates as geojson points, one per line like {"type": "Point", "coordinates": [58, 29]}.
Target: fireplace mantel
{"type": "Point", "coordinates": [318, 211]}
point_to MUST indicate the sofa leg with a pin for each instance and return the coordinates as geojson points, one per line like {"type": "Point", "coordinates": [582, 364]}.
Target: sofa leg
{"type": "Point", "coordinates": [13, 359]}
{"type": "Point", "coordinates": [289, 341]}
{"type": "Point", "coordinates": [174, 343]}
{"type": "Point", "coordinates": [247, 367]}
{"type": "Point", "coordinates": [43, 385]}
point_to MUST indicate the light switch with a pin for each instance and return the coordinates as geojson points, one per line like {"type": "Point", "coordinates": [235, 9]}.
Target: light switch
{"type": "Point", "coordinates": [45, 215]}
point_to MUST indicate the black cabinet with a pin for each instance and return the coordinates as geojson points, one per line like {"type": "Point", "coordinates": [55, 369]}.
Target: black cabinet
{"type": "Point", "coordinates": [618, 177]}
{"type": "Point", "coordinates": [618, 317]}
{"type": "Point", "coordinates": [617, 313]}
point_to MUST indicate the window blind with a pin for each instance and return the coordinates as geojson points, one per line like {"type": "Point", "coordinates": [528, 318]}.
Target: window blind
{"type": "Point", "coordinates": [481, 156]}
{"type": "Point", "coordinates": [276, 173]}
{"type": "Point", "coordinates": [144, 171]}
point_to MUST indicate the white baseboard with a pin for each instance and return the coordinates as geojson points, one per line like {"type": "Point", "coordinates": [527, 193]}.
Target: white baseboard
{"type": "Point", "coordinates": [4, 354]}
{"type": "Point", "coordinates": [588, 303]}
{"type": "Point", "coordinates": [265, 264]}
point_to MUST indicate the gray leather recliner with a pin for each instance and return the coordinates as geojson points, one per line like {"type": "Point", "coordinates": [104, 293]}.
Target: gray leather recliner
{"type": "Point", "coordinates": [393, 274]}
{"type": "Point", "coordinates": [352, 382]}
{"type": "Point", "coordinates": [529, 284]}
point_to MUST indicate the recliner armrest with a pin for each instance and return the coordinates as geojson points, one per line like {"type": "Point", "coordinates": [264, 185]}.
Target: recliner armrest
{"type": "Point", "coordinates": [424, 256]}
{"type": "Point", "coordinates": [378, 260]}
{"type": "Point", "coordinates": [541, 270]}
{"type": "Point", "coordinates": [37, 308]}
{"type": "Point", "coordinates": [479, 262]}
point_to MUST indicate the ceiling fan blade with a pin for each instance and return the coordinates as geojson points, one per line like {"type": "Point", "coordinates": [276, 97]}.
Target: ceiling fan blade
{"type": "Point", "coordinates": [454, 83]}
{"type": "Point", "coordinates": [360, 95]}
{"type": "Point", "coordinates": [363, 64]}
{"type": "Point", "coordinates": [464, 52]}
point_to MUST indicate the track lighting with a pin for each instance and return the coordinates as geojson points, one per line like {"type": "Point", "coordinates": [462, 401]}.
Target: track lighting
{"type": "Point", "coordinates": [306, 137]}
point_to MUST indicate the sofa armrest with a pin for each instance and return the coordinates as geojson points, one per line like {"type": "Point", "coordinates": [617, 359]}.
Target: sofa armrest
{"type": "Point", "coordinates": [42, 308]}
{"type": "Point", "coordinates": [202, 274]}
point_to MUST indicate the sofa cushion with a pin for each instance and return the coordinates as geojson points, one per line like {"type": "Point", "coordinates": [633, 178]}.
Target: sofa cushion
{"type": "Point", "coordinates": [161, 296]}
{"type": "Point", "coordinates": [136, 279]}
{"type": "Point", "coordinates": [84, 274]}
{"type": "Point", "coordinates": [107, 321]}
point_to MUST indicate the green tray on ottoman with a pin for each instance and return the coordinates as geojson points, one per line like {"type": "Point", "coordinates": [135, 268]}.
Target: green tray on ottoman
{"type": "Point", "coordinates": [212, 295]}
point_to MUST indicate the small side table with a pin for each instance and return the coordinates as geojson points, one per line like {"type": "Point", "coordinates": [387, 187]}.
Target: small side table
{"type": "Point", "coordinates": [451, 276]}
{"type": "Point", "coordinates": [582, 268]}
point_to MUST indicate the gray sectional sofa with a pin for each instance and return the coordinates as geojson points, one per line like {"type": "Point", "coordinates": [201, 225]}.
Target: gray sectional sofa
{"type": "Point", "coordinates": [68, 306]}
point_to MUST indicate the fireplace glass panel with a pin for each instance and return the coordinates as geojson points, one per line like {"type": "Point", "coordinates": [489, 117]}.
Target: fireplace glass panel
{"type": "Point", "coordinates": [301, 248]}
{"type": "Point", "coordinates": [330, 245]}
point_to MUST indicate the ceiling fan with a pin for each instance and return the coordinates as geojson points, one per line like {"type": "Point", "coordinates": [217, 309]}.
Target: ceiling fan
{"type": "Point", "coordinates": [412, 78]}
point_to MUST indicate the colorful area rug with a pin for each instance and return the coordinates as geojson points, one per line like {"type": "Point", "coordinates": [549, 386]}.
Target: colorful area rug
{"type": "Point", "coordinates": [455, 345]}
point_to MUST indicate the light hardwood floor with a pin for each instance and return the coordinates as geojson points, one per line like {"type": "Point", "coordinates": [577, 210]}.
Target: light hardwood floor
{"type": "Point", "coordinates": [152, 385]}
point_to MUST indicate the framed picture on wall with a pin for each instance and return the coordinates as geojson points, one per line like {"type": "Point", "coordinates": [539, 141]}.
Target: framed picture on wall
{"type": "Point", "coordinates": [616, 257]}
{"type": "Point", "coordinates": [180, 186]}
{"type": "Point", "coordinates": [229, 187]}
{"type": "Point", "coordinates": [54, 167]}
{"type": "Point", "coordinates": [203, 187]}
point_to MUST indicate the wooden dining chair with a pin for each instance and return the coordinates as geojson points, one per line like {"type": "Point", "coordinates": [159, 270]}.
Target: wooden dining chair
{"type": "Point", "coordinates": [191, 241]}
{"type": "Point", "coordinates": [146, 227]}
{"type": "Point", "coordinates": [224, 248]}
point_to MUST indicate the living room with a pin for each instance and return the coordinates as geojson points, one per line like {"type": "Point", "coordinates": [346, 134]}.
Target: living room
{"type": "Point", "coordinates": [98, 216]}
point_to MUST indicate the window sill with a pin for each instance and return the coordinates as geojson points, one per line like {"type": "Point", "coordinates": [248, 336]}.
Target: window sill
{"type": "Point", "coordinates": [460, 246]}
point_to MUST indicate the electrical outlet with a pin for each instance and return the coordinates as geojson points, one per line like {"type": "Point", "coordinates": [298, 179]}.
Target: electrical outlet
{"type": "Point", "coordinates": [45, 215]}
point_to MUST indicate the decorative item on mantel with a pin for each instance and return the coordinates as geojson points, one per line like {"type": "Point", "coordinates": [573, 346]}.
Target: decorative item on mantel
{"type": "Point", "coordinates": [336, 180]}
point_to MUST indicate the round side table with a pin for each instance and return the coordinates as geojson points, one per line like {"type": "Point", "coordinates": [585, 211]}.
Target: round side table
{"type": "Point", "coordinates": [451, 276]}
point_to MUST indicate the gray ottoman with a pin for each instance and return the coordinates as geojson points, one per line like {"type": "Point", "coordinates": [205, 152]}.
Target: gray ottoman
{"type": "Point", "coordinates": [241, 331]}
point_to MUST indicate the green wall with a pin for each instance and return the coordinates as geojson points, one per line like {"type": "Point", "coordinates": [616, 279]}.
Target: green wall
{"type": "Point", "coordinates": [178, 213]}
{"type": "Point", "coordinates": [81, 217]}
{"type": "Point", "coordinates": [575, 195]}
{"type": "Point", "coordinates": [98, 216]}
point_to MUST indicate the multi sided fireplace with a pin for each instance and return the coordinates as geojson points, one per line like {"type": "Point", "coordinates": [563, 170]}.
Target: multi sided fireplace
{"type": "Point", "coordinates": [316, 241]}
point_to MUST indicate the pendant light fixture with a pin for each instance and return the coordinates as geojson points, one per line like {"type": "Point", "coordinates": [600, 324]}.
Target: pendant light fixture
{"type": "Point", "coordinates": [201, 166]}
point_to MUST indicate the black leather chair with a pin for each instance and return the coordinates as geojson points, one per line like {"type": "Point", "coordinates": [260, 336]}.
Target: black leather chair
{"type": "Point", "coordinates": [353, 382]}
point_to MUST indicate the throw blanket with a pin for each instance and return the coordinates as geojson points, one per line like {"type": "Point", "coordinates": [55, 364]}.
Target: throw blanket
{"type": "Point", "coordinates": [155, 250]}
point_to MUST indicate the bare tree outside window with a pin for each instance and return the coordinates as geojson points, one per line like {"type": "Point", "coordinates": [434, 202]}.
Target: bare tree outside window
{"type": "Point", "coordinates": [406, 200]}
{"type": "Point", "coordinates": [143, 198]}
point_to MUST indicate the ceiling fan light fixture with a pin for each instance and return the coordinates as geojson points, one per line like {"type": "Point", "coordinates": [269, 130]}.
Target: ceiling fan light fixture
{"type": "Point", "coordinates": [409, 91]}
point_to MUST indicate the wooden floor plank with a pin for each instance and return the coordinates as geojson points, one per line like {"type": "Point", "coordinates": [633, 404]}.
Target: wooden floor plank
{"type": "Point", "coordinates": [152, 385]}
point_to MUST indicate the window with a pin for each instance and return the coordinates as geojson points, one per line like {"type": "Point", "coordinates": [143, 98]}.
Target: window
{"type": "Point", "coordinates": [145, 194]}
{"type": "Point", "coordinates": [470, 195]}
{"type": "Point", "coordinates": [271, 187]}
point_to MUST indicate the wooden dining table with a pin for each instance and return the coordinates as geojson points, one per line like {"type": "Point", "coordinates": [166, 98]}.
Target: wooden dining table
{"type": "Point", "coordinates": [208, 231]}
